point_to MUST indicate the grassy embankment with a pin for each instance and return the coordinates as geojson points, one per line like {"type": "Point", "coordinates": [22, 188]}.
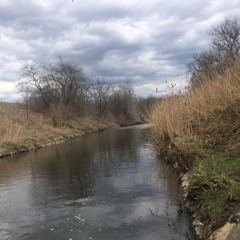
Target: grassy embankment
{"type": "Point", "coordinates": [18, 134]}
{"type": "Point", "coordinates": [199, 132]}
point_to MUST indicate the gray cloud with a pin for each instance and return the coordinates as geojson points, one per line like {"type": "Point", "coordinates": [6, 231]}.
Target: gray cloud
{"type": "Point", "coordinates": [148, 41]}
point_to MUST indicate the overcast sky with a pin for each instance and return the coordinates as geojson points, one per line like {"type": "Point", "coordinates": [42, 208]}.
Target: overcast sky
{"type": "Point", "coordinates": [148, 41]}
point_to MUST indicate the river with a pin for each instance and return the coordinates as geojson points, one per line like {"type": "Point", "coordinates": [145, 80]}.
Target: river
{"type": "Point", "coordinates": [103, 186]}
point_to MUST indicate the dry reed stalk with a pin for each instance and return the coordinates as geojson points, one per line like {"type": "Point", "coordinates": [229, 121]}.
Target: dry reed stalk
{"type": "Point", "coordinates": [177, 116]}
{"type": "Point", "coordinates": [11, 124]}
{"type": "Point", "coordinates": [12, 133]}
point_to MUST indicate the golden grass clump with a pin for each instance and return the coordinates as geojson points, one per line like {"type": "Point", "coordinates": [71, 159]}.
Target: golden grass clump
{"type": "Point", "coordinates": [16, 129]}
{"type": "Point", "coordinates": [210, 108]}
{"type": "Point", "coordinates": [10, 127]}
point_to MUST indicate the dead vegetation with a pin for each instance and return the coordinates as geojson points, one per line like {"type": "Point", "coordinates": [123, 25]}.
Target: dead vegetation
{"type": "Point", "coordinates": [207, 113]}
{"type": "Point", "coordinates": [200, 131]}
{"type": "Point", "coordinates": [20, 132]}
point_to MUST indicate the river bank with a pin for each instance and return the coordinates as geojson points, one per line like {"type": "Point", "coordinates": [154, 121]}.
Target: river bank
{"type": "Point", "coordinates": [53, 137]}
{"type": "Point", "coordinates": [227, 226]}
{"type": "Point", "coordinates": [210, 190]}
{"type": "Point", "coordinates": [21, 134]}
{"type": "Point", "coordinates": [198, 132]}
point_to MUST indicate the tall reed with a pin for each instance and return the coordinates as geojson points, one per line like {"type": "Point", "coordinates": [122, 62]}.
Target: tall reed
{"type": "Point", "coordinates": [181, 116]}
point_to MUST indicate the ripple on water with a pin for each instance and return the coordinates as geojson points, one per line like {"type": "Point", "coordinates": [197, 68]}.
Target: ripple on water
{"type": "Point", "coordinates": [102, 186]}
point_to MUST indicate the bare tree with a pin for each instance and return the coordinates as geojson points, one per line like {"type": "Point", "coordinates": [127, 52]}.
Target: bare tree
{"type": "Point", "coordinates": [35, 77]}
{"type": "Point", "coordinates": [145, 106]}
{"type": "Point", "coordinates": [26, 92]}
{"type": "Point", "coordinates": [62, 91]}
{"type": "Point", "coordinates": [224, 49]}
{"type": "Point", "coordinates": [69, 80]}
{"type": "Point", "coordinates": [225, 39]}
{"type": "Point", "coordinates": [101, 94]}
{"type": "Point", "coordinates": [124, 102]}
{"type": "Point", "coordinates": [54, 87]}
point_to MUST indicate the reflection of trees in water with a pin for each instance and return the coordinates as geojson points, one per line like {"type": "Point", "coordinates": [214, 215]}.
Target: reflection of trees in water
{"type": "Point", "coordinates": [70, 169]}
{"type": "Point", "coordinates": [178, 222]}
{"type": "Point", "coordinates": [117, 148]}
{"type": "Point", "coordinates": [167, 178]}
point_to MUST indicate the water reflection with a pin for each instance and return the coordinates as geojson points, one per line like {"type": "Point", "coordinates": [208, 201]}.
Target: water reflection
{"type": "Point", "coordinates": [102, 186]}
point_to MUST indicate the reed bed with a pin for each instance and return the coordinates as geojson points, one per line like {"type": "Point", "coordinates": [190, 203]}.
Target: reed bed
{"type": "Point", "coordinates": [210, 108]}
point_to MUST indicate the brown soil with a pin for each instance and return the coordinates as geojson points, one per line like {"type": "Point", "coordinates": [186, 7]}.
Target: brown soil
{"type": "Point", "coordinates": [228, 214]}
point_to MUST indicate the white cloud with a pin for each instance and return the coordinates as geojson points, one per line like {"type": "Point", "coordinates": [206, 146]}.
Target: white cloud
{"type": "Point", "coordinates": [8, 92]}
{"type": "Point", "coordinates": [148, 41]}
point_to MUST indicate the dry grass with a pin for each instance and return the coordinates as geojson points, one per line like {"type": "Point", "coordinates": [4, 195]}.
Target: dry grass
{"type": "Point", "coordinates": [10, 127]}
{"type": "Point", "coordinates": [211, 108]}
{"type": "Point", "coordinates": [19, 133]}
{"type": "Point", "coordinates": [14, 124]}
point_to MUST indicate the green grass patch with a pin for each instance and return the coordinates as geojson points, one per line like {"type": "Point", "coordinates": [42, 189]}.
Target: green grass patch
{"type": "Point", "coordinates": [215, 180]}
{"type": "Point", "coordinates": [20, 105]}
{"type": "Point", "coordinates": [203, 146]}
{"type": "Point", "coordinates": [212, 200]}
{"type": "Point", "coordinates": [6, 145]}
{"type": "Point", "coordinates": [69, 134]}
{"type": "Point", "coordinates": [193, 145]}
{"type": "Point", "coordinates": [34, 135]}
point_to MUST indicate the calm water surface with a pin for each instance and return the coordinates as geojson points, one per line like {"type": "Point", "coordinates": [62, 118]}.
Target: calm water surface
{"type": "Point", "coordinates": [104, 186]}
